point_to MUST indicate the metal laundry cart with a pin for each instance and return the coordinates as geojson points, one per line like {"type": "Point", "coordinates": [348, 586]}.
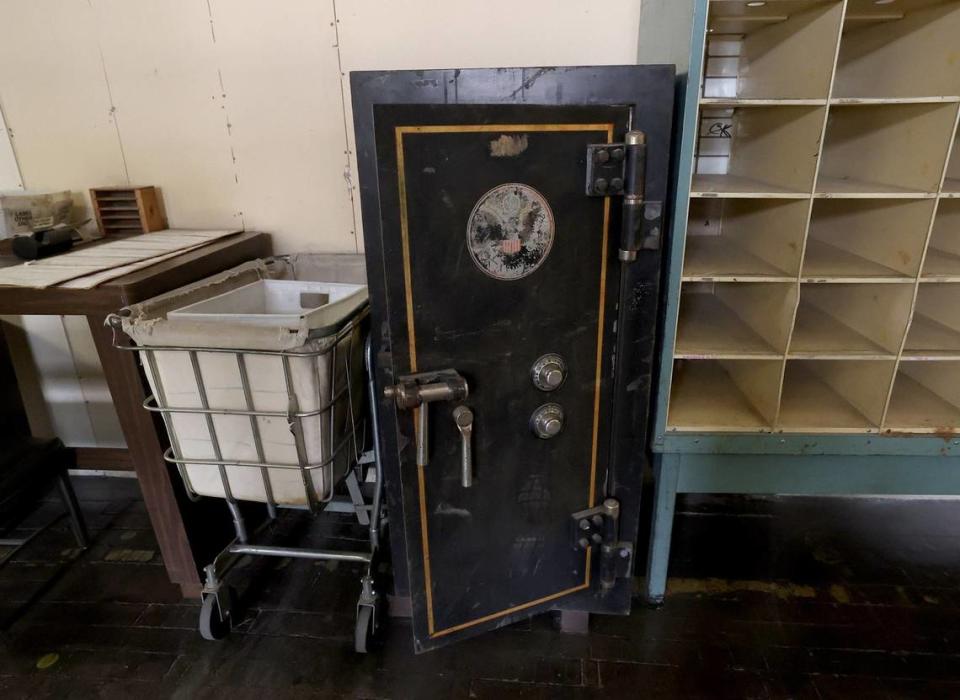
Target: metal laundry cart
{"type": "Point", "coordinates": [282, 427]}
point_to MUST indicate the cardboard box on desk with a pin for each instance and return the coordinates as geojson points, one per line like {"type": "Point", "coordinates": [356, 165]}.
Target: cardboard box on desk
{"type": "Point", "coordinates": [25, 212]}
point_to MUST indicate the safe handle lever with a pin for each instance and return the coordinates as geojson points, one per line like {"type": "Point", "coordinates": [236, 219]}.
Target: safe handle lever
{"type": "Point", "coordinates": [463, 417]}
{"type": "Point", "coordinates": [419, 391]}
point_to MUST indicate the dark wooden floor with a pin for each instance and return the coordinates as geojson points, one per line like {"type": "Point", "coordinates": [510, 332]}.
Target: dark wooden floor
{"type": "Point", "coordinates": [789, 597]}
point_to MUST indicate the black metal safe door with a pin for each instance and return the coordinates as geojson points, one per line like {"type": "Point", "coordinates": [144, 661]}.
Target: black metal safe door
{"type": "Point", "coordinates": [497, 291]}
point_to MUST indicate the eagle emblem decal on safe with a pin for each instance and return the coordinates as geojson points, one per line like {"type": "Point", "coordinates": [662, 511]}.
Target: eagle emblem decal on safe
{"type": "Point", "coordinates": [510, 231]}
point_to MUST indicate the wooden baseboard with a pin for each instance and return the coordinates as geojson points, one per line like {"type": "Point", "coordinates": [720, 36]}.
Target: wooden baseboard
{"type": "Point", "coordinates": [107, 458]}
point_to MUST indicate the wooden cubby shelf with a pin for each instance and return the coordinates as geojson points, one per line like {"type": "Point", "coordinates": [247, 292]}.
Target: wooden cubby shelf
{"type": "Point", "coordinates": [818, 334]}
{"type": "Point", "coordinates": [820, 285]}
{"type": "Point", "coordinates": [127, 210]}
{"type": "Point", "coordinates": [834, 396]}
{"type": "Point", "coordinates": [724, 395]}
{"type": "Point", "coordinates": [851, 320]}
{"type": "Point", "coordinates": [734, 320]}
{"type": "Point", "coordinates": [951, 183]}
{"type": "Point", "coordinates": [713, 258]}
{"type": "Point", "coordinates": [744, 239]}
{"type": "Point", "coordinates": [734, 142]}
{"type": "Point", "coordinates": [866, 240]}
{"type": "Point", "coordinates": [732, 102]}
{"type": "Point", "coordinates": [778, 51]}
{"type": "Point", "coordinates": [888, 150]}
{"type": "Point", "coordinates": [850, 101]}
{"type": "Point", "coordinates": [732, 186]}
{"type": "Point", "coordinates": [942, 263]}
{"type": "Point", "coordinates": [941, 266]}
{"type": "Point", "coordinates": [905, 48]}
{"type": "Point", "coordinates": [828, 262]}
{"type": "Point", "coordinates": [925, 398]}
{"type": "Point", "coordinates": [935, 328]}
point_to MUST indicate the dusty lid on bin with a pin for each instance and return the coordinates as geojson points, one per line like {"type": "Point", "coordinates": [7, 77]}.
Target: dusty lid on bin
{"type": "Point", "coordinates": [270, 302]}
{"type": "Point", "coordinates": [155, 322]}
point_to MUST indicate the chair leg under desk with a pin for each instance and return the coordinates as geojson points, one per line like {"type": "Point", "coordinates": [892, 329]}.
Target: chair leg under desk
{"type": "Point", "coordinates": [77, 524]}
{"type": "Point", "coordinates": [69, 498]}
{"type": "Point", "coordinates": [666, 472]}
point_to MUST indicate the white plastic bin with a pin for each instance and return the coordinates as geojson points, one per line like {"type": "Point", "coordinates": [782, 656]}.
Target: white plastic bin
{"type": "Point", "coordinates": [253, 321]}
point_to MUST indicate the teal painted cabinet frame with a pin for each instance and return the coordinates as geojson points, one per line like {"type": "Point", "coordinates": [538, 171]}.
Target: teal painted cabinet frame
{"type": "Point", "coordinates": [772, 462]}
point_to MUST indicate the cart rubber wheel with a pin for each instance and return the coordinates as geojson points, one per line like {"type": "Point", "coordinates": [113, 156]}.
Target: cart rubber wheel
{"type": "Point", "coordinates": [213, 626]}
{"type": "Point", "coordinates": [363, 636]}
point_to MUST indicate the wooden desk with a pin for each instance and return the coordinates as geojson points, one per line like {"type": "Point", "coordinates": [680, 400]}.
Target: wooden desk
{"type": "Point", "coordinates": [180, 545]}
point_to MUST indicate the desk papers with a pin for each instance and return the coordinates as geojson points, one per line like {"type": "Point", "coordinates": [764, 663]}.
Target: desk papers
{"type": "Point", "coordinates": [90, 265]}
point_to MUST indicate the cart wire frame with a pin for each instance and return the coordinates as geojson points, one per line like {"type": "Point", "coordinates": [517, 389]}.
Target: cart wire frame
{"type": "Point", "coordinates": [217, 599]}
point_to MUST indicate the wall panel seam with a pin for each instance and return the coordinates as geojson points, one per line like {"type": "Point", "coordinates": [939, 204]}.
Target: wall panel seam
{"type": "Point", "coordinates": [348, 174]}
{"type": "Point", "coordinates": [113, 106]}
{"type": "Point", "coordinates": [226, 114]}
{"type": "Point", "coordinates": [8, 134]}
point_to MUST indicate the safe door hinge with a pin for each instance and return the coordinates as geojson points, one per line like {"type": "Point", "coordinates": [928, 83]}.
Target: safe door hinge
{"type": "Point", "coordinates": [600, 528]}
{"type": "Point", "coordinates": [619, 169]}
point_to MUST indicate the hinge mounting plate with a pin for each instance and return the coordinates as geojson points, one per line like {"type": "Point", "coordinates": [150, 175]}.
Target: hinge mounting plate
{"type": "Point", "coordinates": [619, 169]}
{"type": "Point", "coordinates": [600, 527]}
{"type": "Point", "coordinates": [606, 169]}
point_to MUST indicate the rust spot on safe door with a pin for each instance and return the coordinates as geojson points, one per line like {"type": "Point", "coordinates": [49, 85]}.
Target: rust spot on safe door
{"type": "Point", "coordinates": [508, 146]}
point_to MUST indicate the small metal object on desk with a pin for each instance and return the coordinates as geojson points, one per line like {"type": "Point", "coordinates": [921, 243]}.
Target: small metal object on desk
{"type": "Point", "coordinates": [43, 244]}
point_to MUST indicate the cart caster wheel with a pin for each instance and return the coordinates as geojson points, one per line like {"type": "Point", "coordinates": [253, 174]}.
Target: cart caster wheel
{"type": "Point", "coordinates": [365, 634]}
{"type": "Point", "coordinates": [216, 615]}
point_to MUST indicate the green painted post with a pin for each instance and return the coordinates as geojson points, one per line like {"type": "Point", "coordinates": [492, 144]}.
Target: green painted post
{"type": "Point", "coordinates": [666, 472]}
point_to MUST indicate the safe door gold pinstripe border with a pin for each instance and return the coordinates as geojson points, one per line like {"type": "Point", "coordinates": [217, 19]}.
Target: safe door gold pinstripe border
{"type": "Point", "coordinates": [399, 133]}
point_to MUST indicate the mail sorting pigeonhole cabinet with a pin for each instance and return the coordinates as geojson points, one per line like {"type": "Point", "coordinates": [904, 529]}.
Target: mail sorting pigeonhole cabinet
{"type": "Point", "coordinates": [512, 223]}
{"type": "Point", "coordinates": [812, 335]}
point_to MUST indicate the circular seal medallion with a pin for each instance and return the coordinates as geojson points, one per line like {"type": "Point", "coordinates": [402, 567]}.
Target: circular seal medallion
{"type": "Point", "coordinates": [510, 231]}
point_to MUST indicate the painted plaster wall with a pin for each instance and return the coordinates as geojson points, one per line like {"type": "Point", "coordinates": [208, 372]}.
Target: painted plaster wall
{"type": "Point", "coordinates": [239, 111]}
